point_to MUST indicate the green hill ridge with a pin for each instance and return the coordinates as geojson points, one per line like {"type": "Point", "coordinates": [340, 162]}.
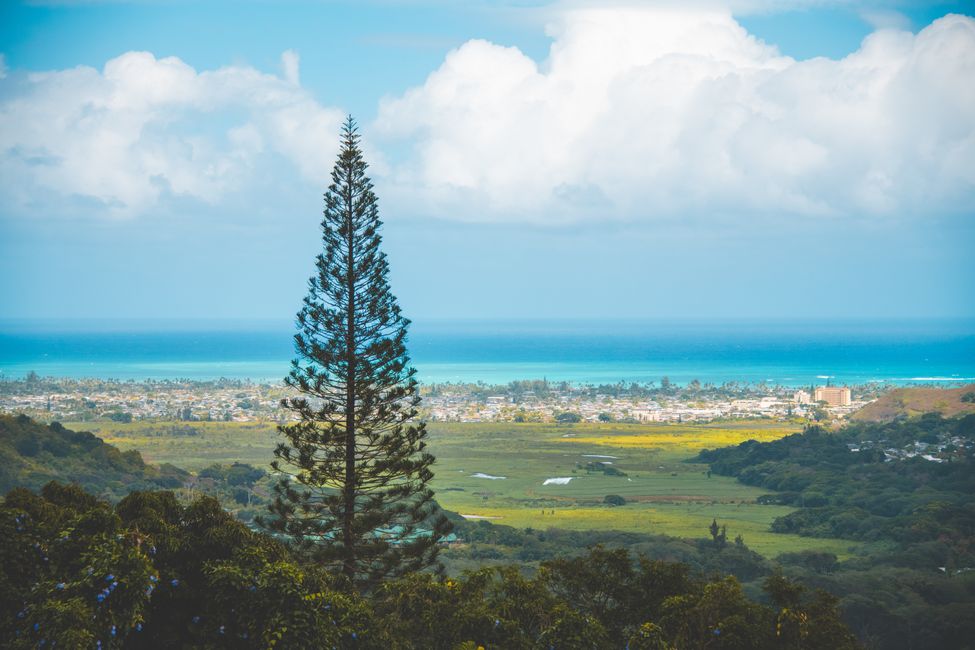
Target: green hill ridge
{"type": "Point", "coordinates": [32, 454]}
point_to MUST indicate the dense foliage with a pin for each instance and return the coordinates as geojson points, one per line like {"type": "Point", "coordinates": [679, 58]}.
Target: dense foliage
{"type": "Point", "coordinates": [235, 474]}
{"type": "Point", "coordinates": [490, 542]}
{"type": "Point", "coordinates": [869, 481]}
{"type": "Point", "coordinates": [906, 488]}
{"type": "Point", "coordinates": [32, 454]}
{"type": "Point", "coordinates": [355, 490]}
{"type": "Point", "coordinates": [151, 573]}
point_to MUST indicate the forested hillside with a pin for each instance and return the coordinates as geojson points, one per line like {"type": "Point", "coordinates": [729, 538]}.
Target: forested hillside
{"type": "Point", "coordinates": [907, 481]}
{"type": "Point", "coordinates": [31, 454]}
{"type": "Point", "coordinates": [905, 486]}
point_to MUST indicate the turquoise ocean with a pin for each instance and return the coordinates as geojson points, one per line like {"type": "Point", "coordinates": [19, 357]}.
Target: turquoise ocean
{"type": "Point", "coordinates": [790, 353]}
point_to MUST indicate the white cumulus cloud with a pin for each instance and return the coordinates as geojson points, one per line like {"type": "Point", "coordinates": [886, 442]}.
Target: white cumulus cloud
{"type": "Point", "coordinates": [143, 128]}
{"type": "Point", "coordinates": [646, 112]}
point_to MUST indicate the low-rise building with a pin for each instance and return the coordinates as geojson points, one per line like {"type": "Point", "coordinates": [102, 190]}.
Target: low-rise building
{"type": "Point", "coordinates": [802, 397]}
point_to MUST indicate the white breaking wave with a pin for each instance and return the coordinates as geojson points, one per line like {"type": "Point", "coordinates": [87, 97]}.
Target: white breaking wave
{"type": "Point", "coordinates": [937, 379]}
{"type": "Point", "coordinates": [488, 476]}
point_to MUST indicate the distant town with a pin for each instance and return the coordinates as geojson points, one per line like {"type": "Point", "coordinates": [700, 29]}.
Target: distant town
{"type": "Point", "coordinates": [81, 400]}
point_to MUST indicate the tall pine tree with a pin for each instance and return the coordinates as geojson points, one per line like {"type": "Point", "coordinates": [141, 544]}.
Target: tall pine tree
{"type": "Point", "coordinates": [355, 489]}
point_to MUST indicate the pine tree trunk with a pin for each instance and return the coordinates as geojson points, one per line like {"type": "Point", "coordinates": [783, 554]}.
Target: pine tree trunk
{"type": "Point", "coordinates": [350, 479]}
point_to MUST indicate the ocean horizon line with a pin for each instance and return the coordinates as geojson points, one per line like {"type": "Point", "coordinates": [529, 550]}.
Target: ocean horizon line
{"type": "Point", "coordinates": [496, 352]}
{"type": "Point", "coordinates": [263, 324]}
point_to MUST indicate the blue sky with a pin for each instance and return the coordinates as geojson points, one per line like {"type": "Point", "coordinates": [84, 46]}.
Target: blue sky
{"type": "Point", "coordinates": [166, 160]}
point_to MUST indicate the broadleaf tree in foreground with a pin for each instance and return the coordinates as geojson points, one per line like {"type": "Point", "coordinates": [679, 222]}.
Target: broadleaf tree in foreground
{"type": "Point", "coordinates": [355, 487]}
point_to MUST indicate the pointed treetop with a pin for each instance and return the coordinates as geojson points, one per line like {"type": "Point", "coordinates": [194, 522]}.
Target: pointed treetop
{"type": "Point", "coordinates": [350, 131]}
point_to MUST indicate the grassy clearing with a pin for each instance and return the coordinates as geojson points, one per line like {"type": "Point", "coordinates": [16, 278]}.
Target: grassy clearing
{"type": "Point", "coordinates": [686, 439]}
{"type": "Point", "coordinates": [664, 493]}
{"type": "Point", "coordinates": [170, 442]}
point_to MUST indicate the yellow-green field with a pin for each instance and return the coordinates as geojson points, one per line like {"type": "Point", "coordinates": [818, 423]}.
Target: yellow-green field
{"type": "Point", "coordinates": [665, 494]}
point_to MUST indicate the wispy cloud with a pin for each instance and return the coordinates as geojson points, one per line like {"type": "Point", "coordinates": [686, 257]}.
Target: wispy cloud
{"type": "Point", "coordinates": [290, 61]}
{"type": "Point", "coordinates": [880, 18]}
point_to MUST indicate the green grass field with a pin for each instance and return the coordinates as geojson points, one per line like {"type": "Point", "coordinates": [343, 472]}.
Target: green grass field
{"type": "Point", "coordinates": [665, 494]}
